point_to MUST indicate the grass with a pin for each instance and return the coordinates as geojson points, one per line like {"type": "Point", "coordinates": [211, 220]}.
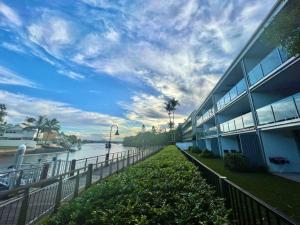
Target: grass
{"type": "Point", "coordinates": [281, 193]}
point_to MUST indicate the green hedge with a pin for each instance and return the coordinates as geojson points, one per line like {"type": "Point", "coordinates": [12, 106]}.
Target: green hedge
{"type": "Point", "coordinates": [236, 162]}
{"type": "Point", "coordinates": [164, 189]}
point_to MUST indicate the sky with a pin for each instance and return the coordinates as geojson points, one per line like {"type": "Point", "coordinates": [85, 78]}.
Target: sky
{"type": "Point", "coordinates": [93, 63]}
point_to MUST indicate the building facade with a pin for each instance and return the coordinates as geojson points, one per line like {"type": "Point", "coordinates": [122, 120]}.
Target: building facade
{"type": "Point", "coordinates": [255, 107]}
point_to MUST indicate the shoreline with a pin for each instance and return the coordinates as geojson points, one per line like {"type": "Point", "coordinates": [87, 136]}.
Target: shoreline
{"type": "Point", "coordinates": [13, 151]}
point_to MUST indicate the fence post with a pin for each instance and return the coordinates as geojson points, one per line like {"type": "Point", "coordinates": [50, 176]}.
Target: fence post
{"type": "Point", "coordinates": [110, 166]}
{"type": "Point", "coordinates": [128, 157]}
{"type": "Point", "coordinates": [221, 180]}
{"type": "Point", "coordinates": [54, 159]}
{"type": "Point", "coordinates": [18, 183]}
{"type": "Point", "coordinates": [123, 160]}
{"type": "Point", "coordinates": [44, 173]}
{"type": "Point", "coordinates": [76, 189]}
{"type": "Point", "coordinates": [101, 171]}
{"type": "Point", "coordinates": [85, 164]}
{"type": "Point", "coordinates": [118, 163]}
{"type": "Point", "coordinates": [89, 176]}
{"type": "Point", "coordinates": [73, 166]}
{"type": "Point", "coordinates": [58, 167]}
{"type": "Point", "coordinates": [24, 207]}
{"type": "Point", "coordinates": [58, 194]}
{"type": "Point", "coordinates": [97, 160]}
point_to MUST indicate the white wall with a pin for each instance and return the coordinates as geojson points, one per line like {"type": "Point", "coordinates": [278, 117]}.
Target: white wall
{"type": "Point", "coordinates": [281, 143]}
{"type": "Point", "coordinates": [229, 143]}
{"type": "Point", "coordinates": [184, 145]}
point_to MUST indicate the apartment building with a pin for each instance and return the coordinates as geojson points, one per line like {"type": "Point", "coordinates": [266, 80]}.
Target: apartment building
{"type": "Point", "coordinates": [255, 107]}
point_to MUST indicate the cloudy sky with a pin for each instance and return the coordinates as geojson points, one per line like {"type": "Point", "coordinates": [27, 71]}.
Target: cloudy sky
{"type": "Point", "coordinates": [91, 63]}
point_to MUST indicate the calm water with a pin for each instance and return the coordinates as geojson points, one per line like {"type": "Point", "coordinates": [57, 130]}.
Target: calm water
{"type": "Point", "coordinates": [87, 150]}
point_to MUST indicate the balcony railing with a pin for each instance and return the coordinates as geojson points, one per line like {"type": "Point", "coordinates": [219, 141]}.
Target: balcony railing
{"type": "Point", "coordinates": [272, 61]}
{"type": "Point", "coordinates": [285, 109]}
{"type": "Point", "coordinates": [208, 132]}
{"type": "Point", "coordinates": [231, 95]}
{"type": "Point", "coordinates": [207, 115]}
{"type": "Point", "coordinates": [238, 123]}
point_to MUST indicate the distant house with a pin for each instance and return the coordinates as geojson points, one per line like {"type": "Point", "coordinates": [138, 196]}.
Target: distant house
{"type": "Point", "coordinates": [49, 137]}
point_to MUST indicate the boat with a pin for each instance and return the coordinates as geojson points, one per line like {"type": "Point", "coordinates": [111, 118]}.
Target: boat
{"type": "Point", "coordinates": [14, 136]}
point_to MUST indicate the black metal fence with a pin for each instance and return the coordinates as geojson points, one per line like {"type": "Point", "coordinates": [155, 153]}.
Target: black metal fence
{"type": "Point", "coordinates": [246, 209]}
{"type": "Point", "coordinates": [33, 201]}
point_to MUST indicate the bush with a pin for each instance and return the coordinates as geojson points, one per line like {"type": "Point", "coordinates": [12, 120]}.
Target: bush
{"type": "Point", "coordinates": [207, 154]}
{"type": "Point", "coordinates": [164, 189]}
{"type": "Point", "coordinates": [195, 149]}
{"type": "Point", "coordinates": [236, 162]}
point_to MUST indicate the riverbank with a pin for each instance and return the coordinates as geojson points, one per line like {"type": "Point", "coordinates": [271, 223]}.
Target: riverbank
{"type": "Point", "coordinates": [10, 151]}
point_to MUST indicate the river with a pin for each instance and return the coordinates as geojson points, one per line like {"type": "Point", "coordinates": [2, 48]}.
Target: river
{"type": "Point", "coordinates": [87, 150]}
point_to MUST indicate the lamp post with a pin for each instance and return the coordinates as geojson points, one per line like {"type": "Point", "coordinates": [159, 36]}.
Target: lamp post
{"type": "Point", "coordinates": [108, 145]}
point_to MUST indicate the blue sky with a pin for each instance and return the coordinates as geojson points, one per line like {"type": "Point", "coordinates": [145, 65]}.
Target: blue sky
{"type": "Point", "coordinates": [91, 63]}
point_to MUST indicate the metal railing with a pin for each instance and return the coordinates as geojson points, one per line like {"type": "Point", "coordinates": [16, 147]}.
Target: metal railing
{"type": "Point", "coordinates": [37, 200]}
{"type": "Point", "coordinates": [30, 174]}
{"type": "Point", "coordinates": [246, 209]}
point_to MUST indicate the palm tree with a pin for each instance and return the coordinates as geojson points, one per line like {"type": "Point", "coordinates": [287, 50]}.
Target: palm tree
{"type": "Point", "coordinates": [174, 103]}
{"type": "Point", "coordinates": [50, 126]}
{"type": "Point", "coordinates": [3, 113]}
{"type": "Point", "coordinates": [170, 107]}
{"type": "Point", "coordinates": [38, 124]}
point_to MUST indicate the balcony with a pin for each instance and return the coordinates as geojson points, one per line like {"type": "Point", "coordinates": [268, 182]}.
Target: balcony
{"type": "Point", "coordinates": [206, 116]}
{"type": "Point", "coordinates": [268, 64]}
{"type": "Point", "coordinates": [282, 110]}
{"type": "Point", "coordinates": [212, 131]}
{"type": "Point", "coordinates": [231, 95]}
{"type": "Point", "coordinates": [238, 123]}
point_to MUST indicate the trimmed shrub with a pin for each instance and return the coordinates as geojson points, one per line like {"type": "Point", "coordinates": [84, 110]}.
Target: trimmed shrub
{"type": "Point", "coordinates": [195, 149]}
{"type": "Point", "coordinates": [236, 162]}
{"type": "Point", "coordinates": [164, 189]}
{"type": "Point", "coordinates": [207, 154]}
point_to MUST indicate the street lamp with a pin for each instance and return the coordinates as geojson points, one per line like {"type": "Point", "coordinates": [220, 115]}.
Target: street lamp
{"type": "Point", "coordinates": [108, 145]}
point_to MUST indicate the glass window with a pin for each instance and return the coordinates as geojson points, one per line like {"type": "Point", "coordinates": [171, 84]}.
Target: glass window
{"type": "Point", "coordinates": [248, 120]}
{"type": "Point", "coordinates": [226, 129]}
{"type": "Point", "coordinates": [239, 123]}
{"type": "Point", "coordinates": [231, 125]}
{"type": "Point", "coordinates": [285, 109]}
{"type": "Point", "coordinates": [233, 93]}
{"type": "Point", "coordinates": [255, 74]}
{"type": "Point", "coordinates": [241, 86]}
{"type": "Point", "coordinates": [265, 115]}
{"type": "Point", "coordinates": [271, 62]}
{"type": "Point", "coordinates": [226, 98]}
{"type": "Point", "coordinates": [283, 53]}
{"type": "Point", "coordinates": [297, 100]}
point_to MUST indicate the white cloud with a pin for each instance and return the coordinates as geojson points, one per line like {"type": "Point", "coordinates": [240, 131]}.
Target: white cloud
{"type": "Point", "coordinates": [10, 78]}
{"type": "Point", "coordinates": [10, 14]}
{"type": "Point", "coordinates": [13, 47]}
{"type": "Point", "coordinates": [72, 119]}
{"type": "Point", "coordinates": [71, 74]}
{"type": "Point", "coordinates": [178, 48]}
{"type": "Point", "coordinates": [52, 33]}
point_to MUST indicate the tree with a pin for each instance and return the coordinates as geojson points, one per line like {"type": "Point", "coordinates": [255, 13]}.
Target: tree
{"type": "Point", "coordinates": [285, 28]}
{"type": "Point", "coordinates": [3, 113]}
{"type": "Point", "coordinates": [50, 126]}
{"type": "Point", "coordinates": [38, 124]}
{"type": "Point", "coordinates": [153, 130]}
{"type": "Point", "coordinates": [170, 107]}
